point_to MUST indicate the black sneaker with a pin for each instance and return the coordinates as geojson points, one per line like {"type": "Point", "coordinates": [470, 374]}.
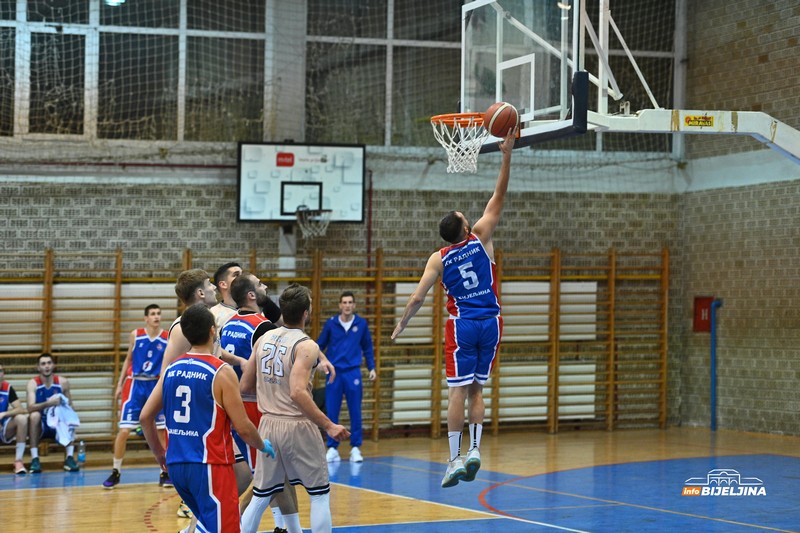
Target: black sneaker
{"type": "Point", "coordinates": [280, 530]}
{"type": "Point", "coordinates": [113, 480]}
{"type": "Point", "coordinates": [164, 480]}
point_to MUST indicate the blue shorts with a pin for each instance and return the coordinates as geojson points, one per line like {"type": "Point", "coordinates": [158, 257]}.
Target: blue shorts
{"type": "Point", "coordinates": [470, 349]}
{"type": "Point", "coordinates": [135, 393]}
{"type": "Point", "coordinates": [210, 492]}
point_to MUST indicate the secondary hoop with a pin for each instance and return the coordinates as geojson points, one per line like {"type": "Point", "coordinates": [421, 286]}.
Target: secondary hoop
{"type": "Point", "coordinates": [313, 222]}
{"type": "Point", "coordinates": [461, 135]}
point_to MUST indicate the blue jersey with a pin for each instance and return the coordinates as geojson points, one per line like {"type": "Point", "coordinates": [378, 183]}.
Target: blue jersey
{"type": "Point", "coordinates": [240, 332]}
{"type": "Point", "coordinates": [42, 392]}
{"type": "Point", "coordinates": [469, 278]}
{"type": "Point", "coordinates": [345, 347]}
{"type": "Point", "coordinates": [148, 353]}
{"type": "Point", "coordinates": [6, 390]}
{"type": "Point", "coordinates": [199, 428]}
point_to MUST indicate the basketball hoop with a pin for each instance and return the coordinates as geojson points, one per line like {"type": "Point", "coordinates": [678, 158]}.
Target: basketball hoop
{"type": "Point", "coordinates": [313, 222]}
{"type": "Point", "coordinates": [461, 135]}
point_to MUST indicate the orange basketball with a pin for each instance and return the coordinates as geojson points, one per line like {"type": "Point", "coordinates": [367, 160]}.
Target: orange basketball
{"type": "Point", "coordinates": [500, 118]}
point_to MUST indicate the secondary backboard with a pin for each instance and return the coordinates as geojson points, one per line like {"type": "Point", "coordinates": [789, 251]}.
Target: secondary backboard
{"type": "Point", "coordinates": [274, 179]}
{"type": "Point", "coordinates": [522, 52]}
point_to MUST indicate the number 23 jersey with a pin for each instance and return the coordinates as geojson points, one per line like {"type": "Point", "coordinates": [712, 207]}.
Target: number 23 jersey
{"type": "Point", "coordinates": [199, 428]}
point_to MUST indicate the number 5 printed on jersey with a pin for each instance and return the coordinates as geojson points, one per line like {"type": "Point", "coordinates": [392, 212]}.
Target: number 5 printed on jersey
{"type": "Point", "coordinates": [470, 276]}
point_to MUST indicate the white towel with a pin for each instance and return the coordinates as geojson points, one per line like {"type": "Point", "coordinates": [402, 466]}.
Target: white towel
{"type": "Point", "coordinates": [64, 420]}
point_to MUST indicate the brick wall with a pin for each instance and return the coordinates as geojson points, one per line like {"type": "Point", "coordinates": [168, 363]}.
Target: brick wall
{"type": "Point", "coordinates": [743, 245]}
{"type": "Point", "coordinates": [743, 56]}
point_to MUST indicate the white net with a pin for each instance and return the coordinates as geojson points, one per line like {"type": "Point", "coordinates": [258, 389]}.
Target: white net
{"type": "Point", "coordinates": [89, 82]}
{"type": "Point", "coordinates": [313, 222]}
{"type": "Point", "coordinates": [462, 136]}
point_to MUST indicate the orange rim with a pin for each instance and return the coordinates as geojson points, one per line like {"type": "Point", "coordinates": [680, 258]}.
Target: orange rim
{"type": "Point", "coordinates": [462, 119]}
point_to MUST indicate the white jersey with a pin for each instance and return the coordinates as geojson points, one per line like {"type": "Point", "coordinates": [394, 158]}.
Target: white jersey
{"type": "Point", "coordinates": [275, 353]}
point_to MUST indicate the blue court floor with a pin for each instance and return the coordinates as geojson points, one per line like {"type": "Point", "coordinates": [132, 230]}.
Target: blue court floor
{"type": "Point", "coordinates": [753, 493]}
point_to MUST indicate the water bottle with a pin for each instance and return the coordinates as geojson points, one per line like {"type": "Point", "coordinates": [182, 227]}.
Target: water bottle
{"type": "Point", "coordinates": [81, 453]}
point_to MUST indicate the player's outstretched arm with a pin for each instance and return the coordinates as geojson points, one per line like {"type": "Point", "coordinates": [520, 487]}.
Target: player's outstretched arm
{"type": "Point", "coordinates": [485, 226]}
{"type": "Point", "coordinates": [147, 418]}
{"type": "Point", "coordinates": [433, 269]}
{"type": "Point", "coordinates": [306, 354]}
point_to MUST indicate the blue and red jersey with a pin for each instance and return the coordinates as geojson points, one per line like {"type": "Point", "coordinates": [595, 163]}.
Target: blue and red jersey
{"type": "Point", "coordinates": [42, 392]}
{"type": "Point", "coordinates": [469, 278]}
{"type": "Point", "coordinates": [148, 353]}
{"type": "Point", "coordinates": [5, 396]}
{"type": "Point", "coordinates": [199, 428]}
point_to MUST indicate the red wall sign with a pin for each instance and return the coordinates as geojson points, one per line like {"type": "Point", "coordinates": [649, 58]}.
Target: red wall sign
{"type": "Point", "coordinates": [702, 313]}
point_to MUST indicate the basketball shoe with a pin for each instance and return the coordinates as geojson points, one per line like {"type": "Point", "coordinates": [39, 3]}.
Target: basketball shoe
{"type": "Point", "coordinates": [473, 463]}
{"type": "Point", "coordinates": [332, 455]}
{"type": "Point", "coordinates": [113, 480]}
{"type": "Point", "coordinates": [70, 465]}
{"type": "Point", "coordinates": [455, 473]}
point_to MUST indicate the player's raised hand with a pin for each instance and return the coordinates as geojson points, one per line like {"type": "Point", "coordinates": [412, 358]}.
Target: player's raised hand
{"type": "Point", "coordinates": [507, 144]}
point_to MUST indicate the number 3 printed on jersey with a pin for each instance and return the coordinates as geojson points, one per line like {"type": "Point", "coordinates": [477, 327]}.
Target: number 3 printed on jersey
{"type": "Point", "coordinates": [271, 362]}
{"type": "Point", "coordinates": [185, 394]}
{"type": "Point", "coordinates": [470, 276]}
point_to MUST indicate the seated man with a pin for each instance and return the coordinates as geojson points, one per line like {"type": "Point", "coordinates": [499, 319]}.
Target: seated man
{"type": "Point", "coordinates": [13, 421]}
{"type": "Point", "coordinates": [44, 391]}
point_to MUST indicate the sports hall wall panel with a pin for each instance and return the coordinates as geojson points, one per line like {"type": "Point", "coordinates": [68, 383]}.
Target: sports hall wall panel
{"type": "Point", "coordinates": [742, 55]}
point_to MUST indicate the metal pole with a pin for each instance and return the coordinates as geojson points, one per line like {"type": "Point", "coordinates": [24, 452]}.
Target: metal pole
{"type": "Point", "coordinates": [714, 305]}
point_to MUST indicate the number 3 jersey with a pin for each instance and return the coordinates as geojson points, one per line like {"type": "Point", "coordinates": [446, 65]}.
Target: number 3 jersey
{"type": "Point", "coordinates": [199, 428]}
{"type": "Point", "coordinates": [275, 355]}
{"type": "Point", "coordinates": [469, 278]}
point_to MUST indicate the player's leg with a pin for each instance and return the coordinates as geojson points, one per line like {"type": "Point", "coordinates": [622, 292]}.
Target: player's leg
{"type": "Point", "coordinates": [321, 521]}
{"type": "Point", "coordinates": [353, 391]}
{"type": "Point", "coordinates": [460, 364]}
{"type": "Point", "coordinates": [490, 335]}
{"type": "Point", "coordinates": [269, 476]}
{"type": "Point", "coordinates": [305, 462]}
{"type": "Point", "coordinates": [35, 434]}
{"type": "Point", "coordinates": [20, 428]}
{"type": "Point", "coordinates": [333, 404]}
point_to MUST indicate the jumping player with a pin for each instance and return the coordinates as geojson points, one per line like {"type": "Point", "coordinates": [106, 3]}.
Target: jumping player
{"type": "Point", "coordinates": [200, 395]}
{"type": "Point", "coordinates": [472, 333]}
{"type": "Point", "coordinates": [137, 379]}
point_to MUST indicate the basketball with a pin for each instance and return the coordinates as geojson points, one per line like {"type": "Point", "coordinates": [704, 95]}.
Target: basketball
{"type": "Point", "coordinates": [499, 118]}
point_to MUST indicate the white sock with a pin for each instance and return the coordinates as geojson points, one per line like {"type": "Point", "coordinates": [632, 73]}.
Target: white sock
{"type": "Point", "coordinates": [321, 521]}
{"type": "Point", "coordinates": [20, 451]}
{"type": "Point", "coordinates": [475, 432]}
{"type": "Point", "coordinates": [454, 437]}
{"type": "Point", "coordinates": [278, 516]}
{"type": "Point", "coordinates": [252, 515]}
{"type": "Point", "coordinates": [118, 464]}
{"type": "Point", "coordinates": [71, 450]}
{"type": "Point", "coordinates": [292, 523]}
{"type": "Point", "coordinates": [34, 452]}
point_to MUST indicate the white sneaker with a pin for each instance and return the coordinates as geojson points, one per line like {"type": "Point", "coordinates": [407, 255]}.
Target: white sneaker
{"type": "Point", "coordinates": [355, 455]}
{"type": "Point", "coordinates": [472, 464]}
{"type": "Point", "coordinates": [455, 473]}
{"type": "Point", "coordinates": [332, 455]}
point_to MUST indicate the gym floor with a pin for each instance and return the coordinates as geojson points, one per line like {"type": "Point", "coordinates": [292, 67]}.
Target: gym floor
{"type": "Point", "coordinates": [592, 481]}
